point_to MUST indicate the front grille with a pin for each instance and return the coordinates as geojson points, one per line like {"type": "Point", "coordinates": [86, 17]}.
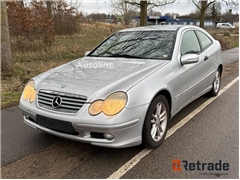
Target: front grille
{"type": "Point", "coordinates": [70, 103]}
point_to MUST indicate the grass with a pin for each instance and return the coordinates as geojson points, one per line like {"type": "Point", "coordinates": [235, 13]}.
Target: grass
{"type": "Point", "coordinates": [67, 47]}
{"type": "Point", "coordinates": [227, 37]}
{"type": "Point", "coordinates": [28, 64]}
{"type": "Point", "coordinates": [10, 98]}
{"type": "Point", "coordinates": [214, 31]}
{"type": "Point", "coordinates": [227, 42]}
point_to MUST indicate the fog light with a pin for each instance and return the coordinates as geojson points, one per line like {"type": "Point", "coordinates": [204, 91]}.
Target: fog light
{"type": "Point", "coordinates": [108, 136]}
{"type": "Point", "coordinates": [86, 135]}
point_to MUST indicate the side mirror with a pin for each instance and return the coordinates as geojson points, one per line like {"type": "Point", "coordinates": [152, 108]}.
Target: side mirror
{"type": "Point", "coordinates": [86, 53]}
{"type": "Point", "coordinates": [189, 59]}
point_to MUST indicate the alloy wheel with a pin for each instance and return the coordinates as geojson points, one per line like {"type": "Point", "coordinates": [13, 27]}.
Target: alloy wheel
{"type": "Point", "coordinates": [159, 122]}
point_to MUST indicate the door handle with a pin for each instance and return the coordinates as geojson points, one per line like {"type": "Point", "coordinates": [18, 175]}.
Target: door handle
{"type": "Point", "coordinates": [205, 58]}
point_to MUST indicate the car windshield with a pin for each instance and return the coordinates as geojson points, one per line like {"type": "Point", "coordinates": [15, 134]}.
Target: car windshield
{"type": "Point", "coordinates": [138, 44]}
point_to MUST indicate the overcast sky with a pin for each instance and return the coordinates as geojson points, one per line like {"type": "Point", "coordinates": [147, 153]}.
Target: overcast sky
{"type": "Point", "coordinates": [102, 6]}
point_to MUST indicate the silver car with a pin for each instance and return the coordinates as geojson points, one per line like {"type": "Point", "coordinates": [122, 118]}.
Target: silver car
{"type": "Point", "coordinates": [124, 92]}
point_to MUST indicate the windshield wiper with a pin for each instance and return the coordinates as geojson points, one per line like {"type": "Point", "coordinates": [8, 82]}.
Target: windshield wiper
{"type": "Point", "coordinates": [125, 56]}
{"type": "Point", "coordinates": [92, 55]}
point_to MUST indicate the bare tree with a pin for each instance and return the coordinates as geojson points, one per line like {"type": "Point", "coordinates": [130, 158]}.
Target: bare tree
{"type": "Point", "coordinates": [76, 4]}
{"type": "Point", "coordinates": [6, 53]}
{"type": "Point", "coordinates": [214, 10]}
{"type": "Point", "coordinates": [148, 4]}
{"type": "Point", "coordinates": [171, 14]}
{"type": "Point", "coordinates": [21, 3]}
{"type": "Point", "coordinates": [127, 11]}
{"type": "Point", "coordinates": [49, 9]}
{"type": "Point", "coordinates": [155, 13]}
{"type": "Point", "coordinates": [231, 4]}
{"type": "Point", "coordinates": [203, 5]}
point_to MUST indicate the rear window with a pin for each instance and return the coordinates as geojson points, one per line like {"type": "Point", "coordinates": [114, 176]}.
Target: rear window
{"type": "Point", "coordinates": [204, 39]}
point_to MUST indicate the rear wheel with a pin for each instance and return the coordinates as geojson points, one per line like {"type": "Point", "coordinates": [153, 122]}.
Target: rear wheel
{"type": "Point", "coordinates": [216, 84]}
{"type": "Point", "coordinates": [155, 124]}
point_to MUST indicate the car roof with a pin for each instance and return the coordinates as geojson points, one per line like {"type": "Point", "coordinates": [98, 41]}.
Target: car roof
{"type": "Point", "coordinates": [154, 28]}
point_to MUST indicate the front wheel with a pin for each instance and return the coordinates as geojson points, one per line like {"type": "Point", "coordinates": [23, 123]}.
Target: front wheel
{"type": "Point", "coordinates": [155, 124]}
{"type": "Point", "coordinates": [216, 84]}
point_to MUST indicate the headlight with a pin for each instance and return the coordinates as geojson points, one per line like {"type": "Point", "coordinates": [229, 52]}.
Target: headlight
{"type": "Point", "coordinates": [96, 107]}
{"type": "Point", "coordinates": [29, 92]}
{"type": "Point", "coordinates": [112, 105]}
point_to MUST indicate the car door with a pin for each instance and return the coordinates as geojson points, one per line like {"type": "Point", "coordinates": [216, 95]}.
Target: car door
{"type": "Point", "coordinates": [190, 75]}
{"type": "Point", "coordinates": [208, 55]}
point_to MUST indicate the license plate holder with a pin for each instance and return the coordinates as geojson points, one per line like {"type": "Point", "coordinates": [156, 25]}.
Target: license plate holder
{"type": "Point", "coordinates": [56, 125]}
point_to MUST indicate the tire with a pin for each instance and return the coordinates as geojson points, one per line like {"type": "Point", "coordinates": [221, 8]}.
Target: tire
{"type": "Point", "coordinates": [156, 122]}
{"type": "Point", "coordinates": [216, 84]}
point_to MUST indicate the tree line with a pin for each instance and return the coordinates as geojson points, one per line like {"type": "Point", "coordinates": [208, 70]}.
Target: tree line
{"type": "Point", "coordinates": [38, 22]}
{"type": "Point", "coordinates": [210, 8]}
{"type": "Point", "coordinates": [32, 25]}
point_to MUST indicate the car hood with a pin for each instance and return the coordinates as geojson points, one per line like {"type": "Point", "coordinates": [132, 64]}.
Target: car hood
{"type": "Point", "coordinates": [89, 75]}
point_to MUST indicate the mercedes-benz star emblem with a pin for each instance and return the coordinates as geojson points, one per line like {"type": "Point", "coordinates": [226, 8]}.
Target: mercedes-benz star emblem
{"type": "Point", "coordinates": [56, 102]}
{"type": "Point", "coordinates": [63, 86]}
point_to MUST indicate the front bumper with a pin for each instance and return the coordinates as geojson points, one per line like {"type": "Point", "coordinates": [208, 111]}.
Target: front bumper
{"type": "Point", "coordinates": [125, 134]}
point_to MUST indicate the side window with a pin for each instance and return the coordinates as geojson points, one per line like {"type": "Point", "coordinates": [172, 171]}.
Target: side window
{"type": "Point", "coordinates": [204, 39]}
{"type": "Point", "coordinates": [190, 44]}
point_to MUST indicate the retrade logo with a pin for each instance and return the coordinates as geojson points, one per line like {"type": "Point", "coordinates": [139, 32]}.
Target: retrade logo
{"type": "Point", "coordinates": [56, 102]}
{"type": "Point", "coordinates": [176, 163]}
